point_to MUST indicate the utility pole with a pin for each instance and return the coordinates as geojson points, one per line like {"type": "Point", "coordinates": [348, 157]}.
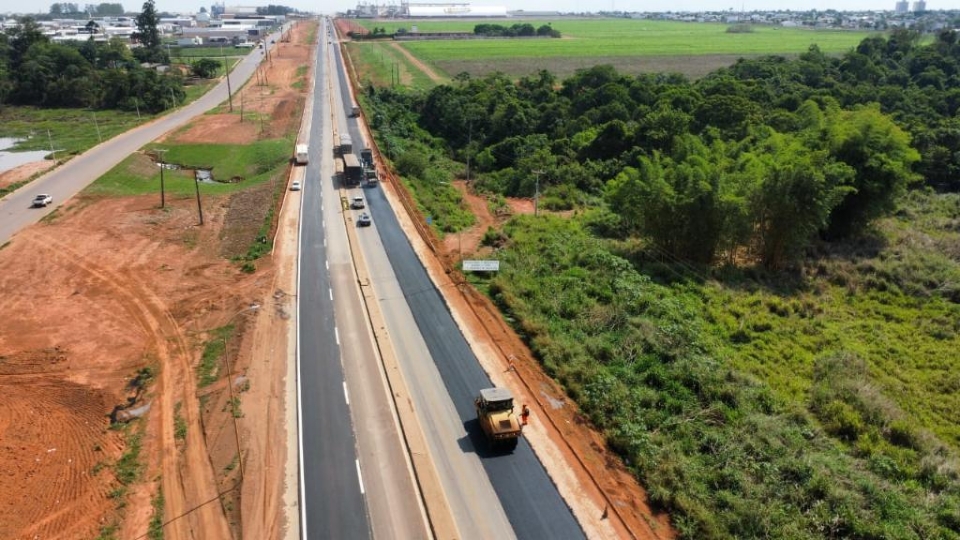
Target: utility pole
{"type": "Point", "coordinates": [226, 361]}
{"type": "Point", "coordinates": [50, 140]}
{"type": "Point", "coordinates": [536, 196]}
{"type": "Point", "coordinates": [162, 194]}
{"type": "Point", "coordinates": [97, 124]}
{"type": "Point", "coordinates": [469, 147]}
{"type": "Point", "coordinates": [226, 68]}
{"type": "Point", "coordinates": [199, 206]}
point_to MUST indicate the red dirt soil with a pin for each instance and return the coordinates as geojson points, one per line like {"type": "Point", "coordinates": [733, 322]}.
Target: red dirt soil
{"type": "Point", "coordinates": [107, 286]}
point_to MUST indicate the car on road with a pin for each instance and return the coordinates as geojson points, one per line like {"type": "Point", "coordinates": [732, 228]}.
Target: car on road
{"type": "Point", "coordinates": [363, 220]}
{"type": "Point", "coordinates": [295, 186]}
{"type": "Point", "coordinates": [357, 203]}
{"type": "Point", "coordinates": [42, 200]}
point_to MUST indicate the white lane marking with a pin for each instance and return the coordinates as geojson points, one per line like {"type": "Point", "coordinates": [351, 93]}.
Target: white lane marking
{"type": "Point", "coordinates": [346, 394]}
{"type": "Point", "coordinates": [359, 476]}
{"type": "Point", "coordinates": [331, 294]}
{"type": "Point", "coordinates": [327, 264]}
{"type": "Point", "coordinates": [336, 333]}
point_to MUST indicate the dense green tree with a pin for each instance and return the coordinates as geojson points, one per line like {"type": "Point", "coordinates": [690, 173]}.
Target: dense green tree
{"type": "Point", "coordinates": [880, 154]}
{"type": "Point", "coordinates": [148, 35]}
{"type": "Point", "coordinates": [679, 201]}
{"type": "Point", "coordinates": [64, 8]}
{"type": "Point", "coordinates": [108, 9]}
{"type": "Point", "coordinates": [205, 68]}
{"type": "Point", "coordinates": [22, 36]}
{"type": "Point", "coordinates": [272, 9]}
{"type": "Point", "coordinates": [793, 202]}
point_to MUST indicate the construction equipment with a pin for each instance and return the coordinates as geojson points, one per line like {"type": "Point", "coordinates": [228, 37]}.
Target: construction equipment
{"type": "Point", "coordinates": [497, 419]}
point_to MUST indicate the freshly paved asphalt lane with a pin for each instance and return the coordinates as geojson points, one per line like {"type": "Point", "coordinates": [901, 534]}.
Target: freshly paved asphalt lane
{"type": "Point", "coordinates": [70, 178]}
{"type": "Point", "coordinates": [529, 498]}
{"type": "Point", "coordinates": [334, 505]}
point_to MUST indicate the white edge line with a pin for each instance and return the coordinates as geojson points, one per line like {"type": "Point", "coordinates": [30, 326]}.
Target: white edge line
{"type": "Point", "coordinates": [336, 333]}
{"type": "Point", "coordinates": [359, 476]}
{"type": "Point", "coordinates": [303, 482]}
{"type": "Point", "coordinates": [346, 394]}
{"type": "Point", "coordinates": [331, 294]}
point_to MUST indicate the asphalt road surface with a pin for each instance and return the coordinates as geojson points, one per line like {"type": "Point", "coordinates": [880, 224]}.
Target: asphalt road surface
{"type": "Point", "coordinates": [528, 498]}
{"type": "Point", "coordinates": [70, 178]}
{"type": "Point", "coordinates": [357, 480]}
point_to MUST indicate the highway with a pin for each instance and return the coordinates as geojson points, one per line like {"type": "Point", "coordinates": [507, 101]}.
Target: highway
{"type": "Point", "coordinates": [491, 495]}
{"type": "Point", "coordinates": [357, 482]}
{"type": "Point", "coordinates": [355, 473]}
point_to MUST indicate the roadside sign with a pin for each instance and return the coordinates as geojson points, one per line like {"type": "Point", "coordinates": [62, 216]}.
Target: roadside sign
{"type": "Point", "coordinates": [481, 266]}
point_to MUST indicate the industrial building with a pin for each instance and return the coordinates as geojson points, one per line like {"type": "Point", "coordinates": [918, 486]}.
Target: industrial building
{"type": "Point", "coordinates": [444, 10]}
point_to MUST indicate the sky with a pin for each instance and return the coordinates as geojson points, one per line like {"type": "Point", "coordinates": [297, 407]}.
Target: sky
{"type": "Point", "coordinates": [330, 6]}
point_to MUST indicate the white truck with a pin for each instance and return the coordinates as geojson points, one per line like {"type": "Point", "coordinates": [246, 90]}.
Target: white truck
{"type": "Point", "coordinates": [301, 154]}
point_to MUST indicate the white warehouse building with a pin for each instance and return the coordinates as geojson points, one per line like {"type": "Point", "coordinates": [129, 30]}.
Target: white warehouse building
{"type": "Point", "coordinates": [454, 10]}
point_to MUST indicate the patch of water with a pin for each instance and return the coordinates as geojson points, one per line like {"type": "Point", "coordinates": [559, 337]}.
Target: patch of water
{"type": "Point", "coordinates": [12, 160]}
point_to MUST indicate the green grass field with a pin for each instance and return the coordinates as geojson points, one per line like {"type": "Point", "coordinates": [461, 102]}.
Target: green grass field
{"type": "Point", "coordinates": [68, 131]}
{"type": "Point", "coordinates": [632, 46]}
{"type": "Point", "coordinates": [382, 62]}
{"type": "Point", "coordinates": [212, 51]}
{"type": "Point", "coordinates": [136, 175]}
{"type": "Point", "coordinates": [625, 37]}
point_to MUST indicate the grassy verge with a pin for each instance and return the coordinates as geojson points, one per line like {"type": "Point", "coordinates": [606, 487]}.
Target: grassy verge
{"type": "Point", "coordinates": [127, 469]}
{"type": "Point", "coordinates": [68, 131]}
{"type": "Point", "coordinates": [10, 188]}
{"type": "Point", "coordinates": [180, 424]}
{"type": "Point", "coordinates": [138, 174]}
{"type": "Point", "coordinates": [380, 64]}
{"type": "Point", "coordinates": [208, 371]}
{"type": "Point", "coordinates": [428, 173]}
{"type": "Point", "coordinates": [192, 54]}
{"type": "Point", "coordinates": [301, 81]}
{"type": "Point", "coordinates": [155, 527]}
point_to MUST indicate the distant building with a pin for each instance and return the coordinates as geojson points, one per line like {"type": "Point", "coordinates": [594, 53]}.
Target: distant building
{"type": "Point", "coordinates": [919, 5]}
{"type": "Point", "coordinates": [902, 6]}
{"type": "Point", "coordinates": [454, 10]}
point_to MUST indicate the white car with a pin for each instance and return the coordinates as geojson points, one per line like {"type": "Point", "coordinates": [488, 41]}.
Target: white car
{"type": "Point", "coordinates": [42, 200]}
{"type": "Point", "coordinates": [295, 186]}
{"type": "Point", "coordinates": [357, 203]}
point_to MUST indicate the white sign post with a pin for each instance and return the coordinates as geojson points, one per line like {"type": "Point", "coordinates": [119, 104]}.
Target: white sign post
{"type": "Point", "coordinates": [481, 266]}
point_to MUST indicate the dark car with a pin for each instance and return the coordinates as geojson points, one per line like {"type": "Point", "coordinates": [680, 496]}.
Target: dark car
{"type": "Point", "coordinates": [363, 220]}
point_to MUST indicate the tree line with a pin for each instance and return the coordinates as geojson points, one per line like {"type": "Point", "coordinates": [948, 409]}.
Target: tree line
{"type": "Point", "coordinates": [65, 9]}
{"type": "Point", "coordinates": [516, 30]}
{"type": "Point", "coordinates": [760, 158]}
{"type": "Point", "coordinates": [36, 71]}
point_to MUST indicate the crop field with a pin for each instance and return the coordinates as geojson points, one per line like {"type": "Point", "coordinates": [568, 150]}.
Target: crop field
{"type": "Point", "coordinates": [382, 62]}
{"type": "Point", "coordinates": [633, 46]}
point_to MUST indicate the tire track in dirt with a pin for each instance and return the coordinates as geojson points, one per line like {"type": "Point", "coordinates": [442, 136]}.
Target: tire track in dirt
{"type": "Point", "coordinates": [63, 422]}
{"type": "Point", "coordinates": [194, 475]}
{"type": "Point", "coordinates": [427, 70]}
